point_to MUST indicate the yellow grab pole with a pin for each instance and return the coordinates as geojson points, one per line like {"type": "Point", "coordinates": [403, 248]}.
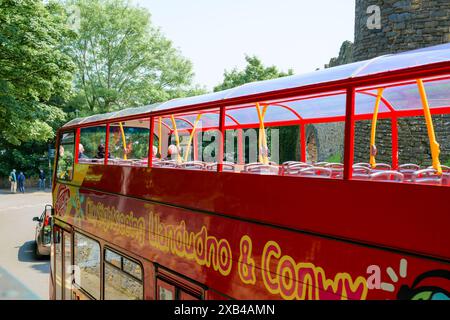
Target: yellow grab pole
{"type": "Point", "coordinates": [124, 142]}
{"type": "Point", "coordinates": [188, 150]}
{"type": "Point", "coordinates": [177, 138]}
{"type": "Point", "coordinates": [160, 138]}
{"type": "Point", "coordinates": [373, 152]}
{"type": "Point", "coordinates": [434, 146]}
{"type": "Point", "coordinates": [262, 135]}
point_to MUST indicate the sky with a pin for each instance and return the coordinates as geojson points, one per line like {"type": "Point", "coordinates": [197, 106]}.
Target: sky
{"type": "Point", "coordinates": [217, 34]}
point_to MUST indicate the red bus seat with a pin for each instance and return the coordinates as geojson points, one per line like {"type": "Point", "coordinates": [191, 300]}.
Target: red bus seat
{"type": "Point", "coordinates": [226, 166]}
{"type": "Point", "coordinates": [387, 176]}
{"type": "Point", "coordinates": [408, 170]}
{"type": "Point", "coordinates": [316, 172]}
{"type": "Point", "coordinates": [260, 168]}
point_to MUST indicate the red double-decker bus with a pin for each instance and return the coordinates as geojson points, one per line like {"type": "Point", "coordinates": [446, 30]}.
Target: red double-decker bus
{"type": "Point", "coordinates": [280, 189]}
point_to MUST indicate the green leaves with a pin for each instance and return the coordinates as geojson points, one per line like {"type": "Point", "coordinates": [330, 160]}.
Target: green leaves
{"type": "Point", "coordinates": [33, 68]}
{"type": "Point", "coordinates": [254, 71]}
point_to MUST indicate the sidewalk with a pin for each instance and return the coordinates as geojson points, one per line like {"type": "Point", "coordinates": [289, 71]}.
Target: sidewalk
{"type": "Point", "coordinates": [6, 191]}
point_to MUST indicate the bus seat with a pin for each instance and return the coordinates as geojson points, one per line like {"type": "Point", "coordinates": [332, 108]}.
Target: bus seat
{"type": "Point", "coordinates": [295, 168]}
{"type": "Point", "coordinates": [260, 168]}
{"type": "Point", "coordinates": [361, 172]}
{"type": "Point", "coordinates": [226, 166]}
{"type": "Point", "coordinates": [362, 164]}
{"type": "Point", "coordinates": [337, 170]}
{"type": "Point", "coordinates": [193, 165]}
{"type": "Point", "coordinates": [427, 176]}
{"type": "Point", "coordinates": [408, 170]}
{"type": "Point", "coordinates": [387, 176]}
{"type": "Point", "coordinates": [166, 164]}
{"type": "Point", "coordinates": [316, 172]}
{"type": "Point", "coordinates": [381, 167]}
{"type": "Point", "coordinates": [320, 164]}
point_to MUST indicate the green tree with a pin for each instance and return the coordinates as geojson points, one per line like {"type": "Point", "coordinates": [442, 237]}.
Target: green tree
{"type": "Point", "coordinates": [254, 71]}
{"type": "Point", "coordinates": [289, 143]}
{"type": "Point", "coordinates": [33, 70]}
{"type": "Point", "coordinates": [123, 60]}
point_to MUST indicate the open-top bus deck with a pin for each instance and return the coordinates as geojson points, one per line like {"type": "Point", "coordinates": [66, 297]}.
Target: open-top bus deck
{"type": "Point", "coordinates": [189, 219]}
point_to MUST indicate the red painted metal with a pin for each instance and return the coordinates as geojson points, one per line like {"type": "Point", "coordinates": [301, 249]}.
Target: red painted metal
{"type": "Point", "coordinates": [222, 139]}
{"type": "Point", "coordinates": [394, 130]}
{"type": "Point", "coordinates": [106, 144]}
{"type": "Point", "coordinates": [77, 143]}
{"type": "Point", "coordinates": [303, 142]}
{"type": "Point", "coordinates": [151, 138]}
{"type": "Point", "coordinates": [349, 133]}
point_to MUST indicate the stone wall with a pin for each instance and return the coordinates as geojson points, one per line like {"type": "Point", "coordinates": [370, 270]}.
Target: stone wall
{"type": "Point", "coordinates": [405, 25]}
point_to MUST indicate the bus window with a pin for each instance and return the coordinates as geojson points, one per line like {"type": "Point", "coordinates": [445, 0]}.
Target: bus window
{"type": "Point", "coordinates": [166, 291]}
{"type": "Point", "coordinates": [128, 143]}
{"type": "Point", "coordinates": [188, 141]}
{"type": "Point", "coordinates": [65, 156]}
{"type": "Point", "coordinates": [170, 286]}
{"type": "Point", "coordinates": [123, 278]}
{"type": "Point", "coordinates": [87, 261]}
{"type": "Point", "coordinates": [92, 148]}
{"type": "Point", "coordinates": [297, 137]}
{"type": "Point", "coordinates": [392, 133]}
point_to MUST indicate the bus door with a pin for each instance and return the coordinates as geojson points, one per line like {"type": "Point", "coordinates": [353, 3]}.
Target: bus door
{"type": "Point", "coordinates": [61, 264]}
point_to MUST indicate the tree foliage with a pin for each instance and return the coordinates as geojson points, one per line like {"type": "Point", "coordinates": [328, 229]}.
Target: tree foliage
{"type": "Point", "coordinates": [289, 145]}
{"type": "Point", "coordinates": [254, 71]}
{"type": "Point", "coordinates": [33, 70]}
{"type": "Point", "coordinates": [122, 59]}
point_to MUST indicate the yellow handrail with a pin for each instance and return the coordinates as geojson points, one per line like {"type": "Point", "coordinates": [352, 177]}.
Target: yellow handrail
{"type": "Point", "coordinates": [160, 138]}
{"type": "Point", "coordinates": [373, 149]}
{"type": "Point", "coordinates": [188, 150]}
{"type": "Point", "coordinates": [177, 138]}
{"type": "Point", "coordinates": [434, 146]}
{"type": "Point", "coordinates": [262, 141]}
{"type": "Point", "coordinates": [124, 142]}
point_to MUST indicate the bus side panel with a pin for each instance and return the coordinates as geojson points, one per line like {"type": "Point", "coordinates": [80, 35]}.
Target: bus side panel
{"type": "Point", "coordinates": [404, 216]}
{"type": "Point", "coordinates": [244, 259]}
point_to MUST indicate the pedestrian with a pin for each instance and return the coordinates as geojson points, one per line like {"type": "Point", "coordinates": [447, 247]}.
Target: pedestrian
{"type": "Point", "coordinates": [41, 179]}
{"type": "Point", "coordinates": [21, 181]}
{"type": "Point", "coordinates": [13, 180]}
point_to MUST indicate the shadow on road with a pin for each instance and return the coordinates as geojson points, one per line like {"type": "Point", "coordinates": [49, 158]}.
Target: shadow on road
{"type": "Point", "coordinates": [27, 253]}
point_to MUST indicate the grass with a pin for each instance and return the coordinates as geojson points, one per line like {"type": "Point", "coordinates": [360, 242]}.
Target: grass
{"type": "Point", "coordinates": [335, 158]}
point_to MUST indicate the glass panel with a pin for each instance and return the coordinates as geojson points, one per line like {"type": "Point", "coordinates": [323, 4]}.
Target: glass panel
{"type": "Point", "coordinates": [198, 140]}
{"type": "Point", "coordinates": [128, 143]}
{"type": "Point", "coordinates": [66, 156]}
{"type": "Point", "coordinates": [68, 266]}
{"type": "Point", "coordinates": [58, 263]}
{"type": "Point", "coordinates": [113, 258]}
{"type": "Point", "coordinates": [120, 286]}
{"type": "Point", "coordinates": [165, 291]}
{"type": "Point", "coordinates": [87, 259]}
{"type": "Point", "coordinates": [92, 145]}
{"type": "Point", "coordinates": [132, 268]}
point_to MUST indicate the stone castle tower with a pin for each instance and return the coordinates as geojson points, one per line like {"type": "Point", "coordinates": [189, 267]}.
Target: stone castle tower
{"type": "Point", "coordinates": [404, 25]}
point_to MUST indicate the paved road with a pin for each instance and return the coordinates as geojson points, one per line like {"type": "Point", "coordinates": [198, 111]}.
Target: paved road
{"type": "Point", "coordinates": [19, 267]}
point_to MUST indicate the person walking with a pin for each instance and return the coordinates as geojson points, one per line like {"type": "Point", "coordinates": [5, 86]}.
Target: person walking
{"type": "Point", "coordinates": [21, 181]}
{"type": "Point", "coordinates": [41, 179]}
{"type": "Point", "coordinates": [13, 180]}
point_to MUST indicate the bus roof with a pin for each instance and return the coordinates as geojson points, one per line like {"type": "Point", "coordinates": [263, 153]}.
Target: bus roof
{"type": "Point", "coordinates": [392, 62]}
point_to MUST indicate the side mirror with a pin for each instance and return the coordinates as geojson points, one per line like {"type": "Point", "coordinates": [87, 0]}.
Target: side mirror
{"type": "Point", "coordinates": [36, 219]}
